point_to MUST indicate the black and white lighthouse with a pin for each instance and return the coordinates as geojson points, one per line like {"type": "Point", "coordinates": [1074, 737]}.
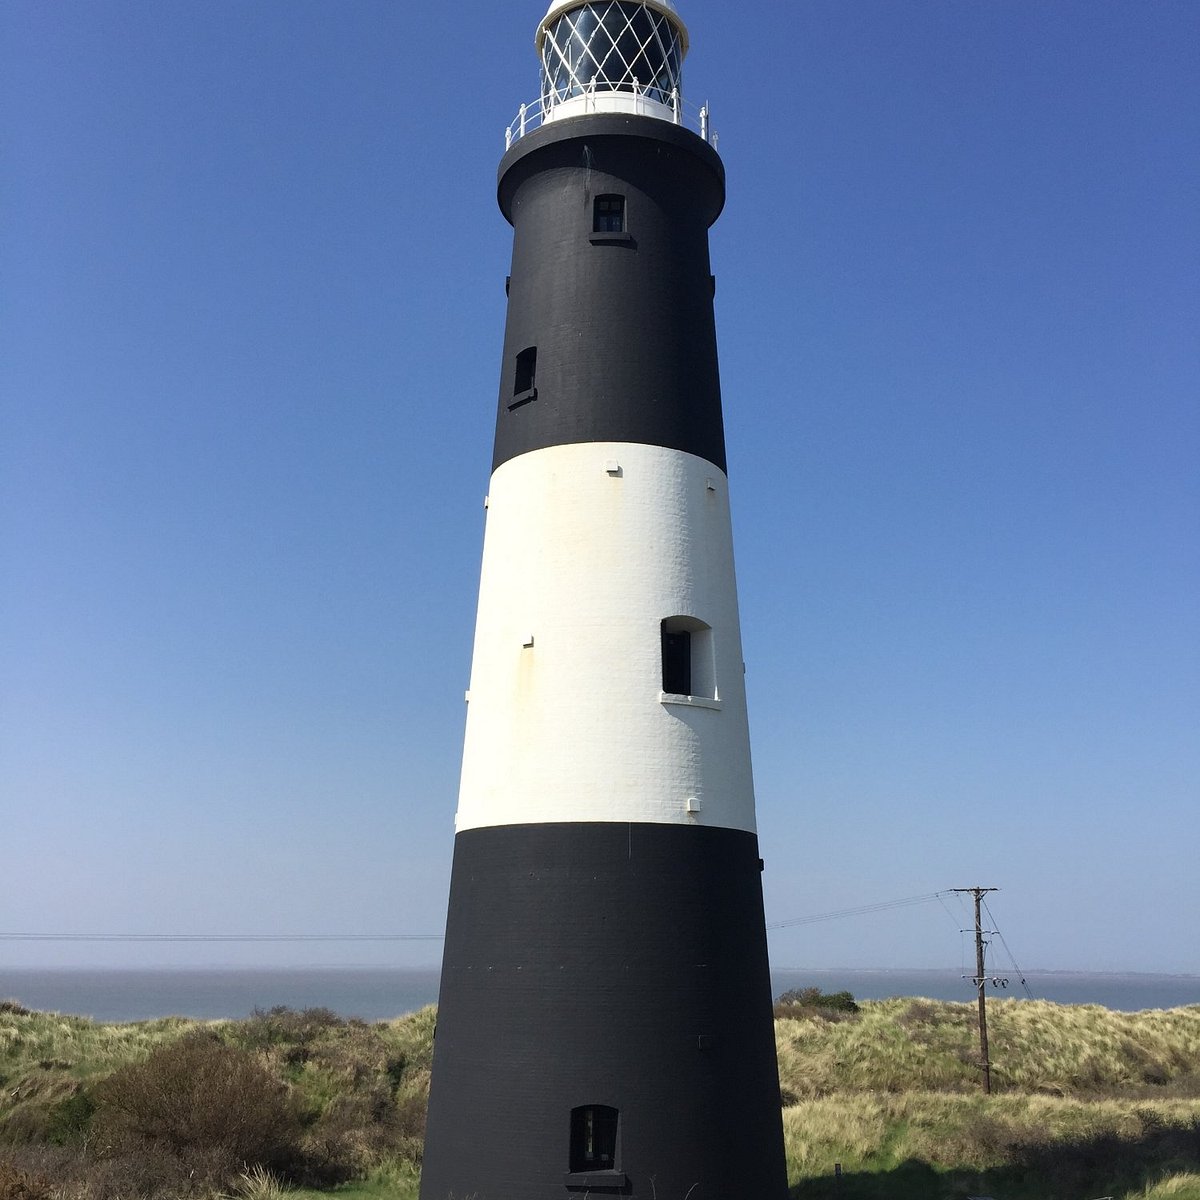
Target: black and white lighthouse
{"type": "Point", "coordinates": [605, 1017]}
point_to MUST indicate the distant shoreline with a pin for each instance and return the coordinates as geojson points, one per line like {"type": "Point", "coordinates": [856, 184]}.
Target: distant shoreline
{"type": "Point", "coordinates": [121, 994]}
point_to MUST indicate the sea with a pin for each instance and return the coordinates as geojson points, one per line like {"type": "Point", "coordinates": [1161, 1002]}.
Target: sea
{"type": "Point", "coordinates": [380, 993]}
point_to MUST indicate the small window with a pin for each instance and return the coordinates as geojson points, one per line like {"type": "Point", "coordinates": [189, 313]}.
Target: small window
{"type": "Point", "coordinates": [593, 1138]}
{"type": "Point", "coordinates": [608, 214]}
{"type": "Point", "coordinates": [526, 371]}
{"type": "Point", "coordinates": [688, 667]}
{"type": "Point", "coordinates": [676, 661]}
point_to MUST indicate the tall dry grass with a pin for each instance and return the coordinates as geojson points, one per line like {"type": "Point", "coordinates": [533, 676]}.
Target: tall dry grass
{"type": "Point", "coordinates": [904, 1045]}
{"type": "Point", "coordinates": [1175, 1187]}
{"type": "Point", "coordinates": [872, 1131]}
{"type": "Point", "coordinates": [80, 1045]}
{"type": "Point", "coordinates": [1089, 1102]}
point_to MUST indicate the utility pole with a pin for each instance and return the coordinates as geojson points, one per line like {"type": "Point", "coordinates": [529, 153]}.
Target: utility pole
{"type": "Point", "coordinates": [981, 985]}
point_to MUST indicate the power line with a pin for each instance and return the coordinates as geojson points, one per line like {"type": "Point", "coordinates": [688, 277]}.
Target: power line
{"type": "Point", "coordinates": [995, 929]}
{"type": "Point", "coordinates": [953, 919]}
{"type": "Point", "coordinates": [221, 937]}
{"type": "Point", "coordinates": [962, 945]}
{"type": "Point", "coordinates": [859, 910]}
{"type": "Point", "coordinates": [904, 902]}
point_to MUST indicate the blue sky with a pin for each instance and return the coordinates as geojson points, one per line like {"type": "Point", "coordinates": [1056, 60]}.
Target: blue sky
{"type": "Point", "coordinates": [252, 315]}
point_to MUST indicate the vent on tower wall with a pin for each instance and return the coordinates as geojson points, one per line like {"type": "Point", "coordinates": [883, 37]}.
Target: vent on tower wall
{"type": "Point", "coordinates": [687, 658]}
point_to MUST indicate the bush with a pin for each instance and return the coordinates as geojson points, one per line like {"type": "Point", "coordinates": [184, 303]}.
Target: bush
{"type": "Point", "coordinates": [209, 1109]}
{"type": "Point", "coordinates": [70, 1120]}
{"type": "Point", "coordinates": [790, 1003]}
{"type": "Point", "coordinates": [360, 1089]}
{"type": "Point", "coordinates": [920, 1014]}
{"type": "Point", "coordinates": [287, 1026]}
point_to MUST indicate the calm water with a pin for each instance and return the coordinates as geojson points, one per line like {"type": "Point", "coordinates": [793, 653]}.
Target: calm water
{"type": "Point", "coordinates": [377, 993]}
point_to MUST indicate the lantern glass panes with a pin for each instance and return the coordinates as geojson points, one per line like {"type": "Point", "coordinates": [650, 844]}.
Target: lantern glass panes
{"type": "Point", "coordinates": [614, 46]}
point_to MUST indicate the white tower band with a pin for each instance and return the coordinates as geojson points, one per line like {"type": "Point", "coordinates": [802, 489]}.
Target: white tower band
{"type": "Point", "coordinates": [605, 1019]}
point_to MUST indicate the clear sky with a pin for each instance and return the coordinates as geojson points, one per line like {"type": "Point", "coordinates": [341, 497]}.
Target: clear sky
{"type": "Point", "coordinates": [252, 309]}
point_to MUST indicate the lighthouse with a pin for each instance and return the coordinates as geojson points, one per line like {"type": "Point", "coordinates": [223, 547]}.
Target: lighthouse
{"type": "Point", "coordinates": [604, 1022]}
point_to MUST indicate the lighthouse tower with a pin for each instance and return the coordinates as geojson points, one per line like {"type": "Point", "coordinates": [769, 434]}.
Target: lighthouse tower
{"type": "Point", "coordinates": [604, 1023]}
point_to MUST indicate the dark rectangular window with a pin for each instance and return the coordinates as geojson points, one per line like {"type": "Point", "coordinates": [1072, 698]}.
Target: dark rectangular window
{"type": "Point", "coordinates": [676, 661]}
{"type": "Point", "coordinates": [608, 214]}
{"type": "Point", "coordinates": [526, 371]}
{"type": "Point", "coordinates": [593, 1138]}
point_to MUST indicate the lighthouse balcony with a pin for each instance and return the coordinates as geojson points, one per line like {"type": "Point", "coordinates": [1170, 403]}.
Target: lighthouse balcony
{"type": "Point", "coordinates": [642, 102]}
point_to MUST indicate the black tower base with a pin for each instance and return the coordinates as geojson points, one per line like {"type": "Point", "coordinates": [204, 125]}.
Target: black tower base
{"type": "Point", "coordinates": [604, 1024]}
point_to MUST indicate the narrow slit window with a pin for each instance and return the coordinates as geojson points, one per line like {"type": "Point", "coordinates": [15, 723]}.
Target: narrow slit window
{"type": "Point", "coordinates": [526, 371]}
{"type": "Point", "coordinates": [593, 1138]}
{"type": "Point", "coordinates": [608, 214]}
{"type": "Point", "coordinates": [676, 661]}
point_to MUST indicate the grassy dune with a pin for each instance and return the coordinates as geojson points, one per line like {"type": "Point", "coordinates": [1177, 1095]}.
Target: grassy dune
{"type": "Point", "coordinates": [904, 1045]}
{"type": "Point", "coordinates": [77, 1045]}
{"type": "Point", "coordinates": [104, 1112]}
{"type": "Point", "coordinates": [930, 1144]}
{"type": "Point", "coordinates": [1088, 1103]}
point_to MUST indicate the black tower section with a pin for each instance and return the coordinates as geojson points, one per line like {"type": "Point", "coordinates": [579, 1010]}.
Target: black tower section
{"type": "Point", "coordinates": [615, 966]}
{"type": "Point", "coordinates": [621, 321]}
{"type": "Point", "coordinates": [604, 1022]}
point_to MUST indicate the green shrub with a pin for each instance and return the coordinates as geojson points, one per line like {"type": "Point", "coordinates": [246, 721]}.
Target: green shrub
{"type": "Point", "coordinates": [790, 1002]}
{"type": "Point", "coordinates": [360, 1089]}
{"type": "Point", "coordinates": [287, 1026]}
{"type": "Point", "coordinates": [70, 1120]}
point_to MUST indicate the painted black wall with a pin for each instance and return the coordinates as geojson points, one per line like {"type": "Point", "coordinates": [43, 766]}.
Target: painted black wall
{"type": "Point", "coordinates": [624, 330]}
{"type": "Point", "coordinates": [615, 964]}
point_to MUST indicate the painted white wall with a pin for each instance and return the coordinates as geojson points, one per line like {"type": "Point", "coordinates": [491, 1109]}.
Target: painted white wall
{"type": "Point", "coordinates": [606, 101]}
{"type": "Point", "coordinates": [588, 547]}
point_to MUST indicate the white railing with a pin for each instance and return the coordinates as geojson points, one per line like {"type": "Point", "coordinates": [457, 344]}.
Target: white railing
{"type": "Point", "coordinates": [675, 109]}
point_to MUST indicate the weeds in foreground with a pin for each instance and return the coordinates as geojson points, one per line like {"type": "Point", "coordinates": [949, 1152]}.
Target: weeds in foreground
{"type": "Point", "coordinates": [1175, 1187]}
{"type": "Point", "coordinates": [18, 1184]}
{"type": "Point", "coordinates": [393, 1179]}
{"type": "Point", "coordinates": [256, 1183]}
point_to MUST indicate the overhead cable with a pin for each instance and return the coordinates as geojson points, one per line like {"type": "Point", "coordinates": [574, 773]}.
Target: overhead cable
{"type": "Point", "coordinates": [861, 910]}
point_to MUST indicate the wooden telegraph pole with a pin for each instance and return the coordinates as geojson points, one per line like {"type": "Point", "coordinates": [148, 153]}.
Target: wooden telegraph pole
{"type": "Point", "coordinates": [981, 985]}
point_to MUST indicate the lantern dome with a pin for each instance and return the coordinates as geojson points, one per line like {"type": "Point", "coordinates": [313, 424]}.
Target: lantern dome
{"type": "Point", "coordinates": [611, 56]}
